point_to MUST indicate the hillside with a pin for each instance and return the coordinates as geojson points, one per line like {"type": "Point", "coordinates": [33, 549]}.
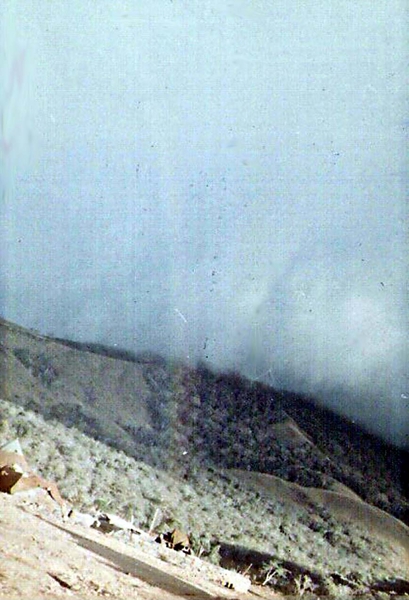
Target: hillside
{"type": "Point", "coordinates": [257, 476]}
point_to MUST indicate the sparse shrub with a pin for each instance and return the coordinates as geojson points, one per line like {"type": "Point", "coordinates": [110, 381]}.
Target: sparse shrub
{"type": "Point", "coordinates": [22, 430]}
{"type": "Point", "coordinates": [23, 356]}
{"type": "Point", "coordinates": [103, 504]}
{"type": "Point", "coordinates": [275, 575]}
{"type": "Point", "coordinates": [303, 584]}
{"type": "Point", "coordinates": [40, 365]}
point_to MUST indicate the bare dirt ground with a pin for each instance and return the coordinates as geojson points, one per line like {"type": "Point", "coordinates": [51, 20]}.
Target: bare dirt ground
{"type": "Point", "coordinates": [43, 556]}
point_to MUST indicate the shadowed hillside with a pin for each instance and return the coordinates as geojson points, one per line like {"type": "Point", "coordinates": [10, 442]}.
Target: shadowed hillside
{"type": "Point", "coordinates": [177, 417]}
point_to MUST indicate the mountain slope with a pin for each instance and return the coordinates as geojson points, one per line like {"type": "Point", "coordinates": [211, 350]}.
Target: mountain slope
{"type": "Point", "coordinates": [142, 434]}
{"type": "Point", "coordinates": [158, 410]}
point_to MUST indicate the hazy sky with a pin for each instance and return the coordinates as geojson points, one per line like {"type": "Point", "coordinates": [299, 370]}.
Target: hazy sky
{"type": "Point", "coordinates": [214, 180]}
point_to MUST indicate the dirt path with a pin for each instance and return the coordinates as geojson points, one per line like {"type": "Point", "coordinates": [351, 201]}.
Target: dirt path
{"type": "Point", "coordinates": [143, 571]}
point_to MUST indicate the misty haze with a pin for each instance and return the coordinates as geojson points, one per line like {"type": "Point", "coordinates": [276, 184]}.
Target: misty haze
{"type": "Point", "coordinates": [217, 182]}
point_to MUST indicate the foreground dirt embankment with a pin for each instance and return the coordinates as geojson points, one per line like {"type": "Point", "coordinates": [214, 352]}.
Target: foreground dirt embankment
{"type": "Point", "coordinates": [43, 556]}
